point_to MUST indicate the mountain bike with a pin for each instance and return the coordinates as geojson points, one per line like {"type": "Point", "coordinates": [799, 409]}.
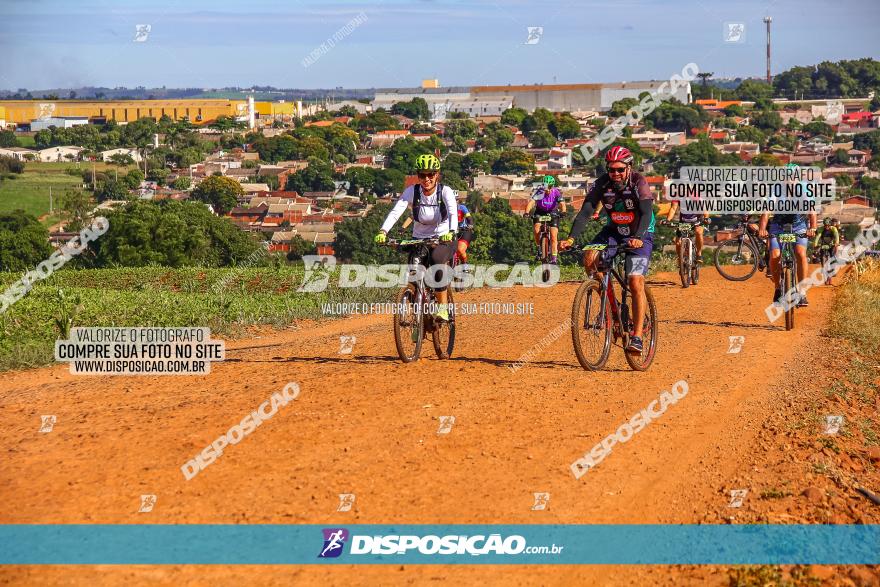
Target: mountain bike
{"type": "Point", "coordinates": [788, 273]}
{"type": "Point", "coordinates": [599, 319]}
{"type": "Point", "coordinates": [750, 254]}
{"type": "Point", "coordinates": [823, 254]}
{"type": "Point", "coordinates": [544, 247]}
{"type": "Point", "coordinates": [688, 268]}
{"type": "Point", "coordinates": [413, 318]}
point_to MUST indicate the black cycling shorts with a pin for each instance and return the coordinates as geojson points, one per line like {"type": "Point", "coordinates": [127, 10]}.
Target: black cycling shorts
{"type": "Point", "coordinates": [554, 218]}
{"type": "Point", "coordinates": [466, 235]}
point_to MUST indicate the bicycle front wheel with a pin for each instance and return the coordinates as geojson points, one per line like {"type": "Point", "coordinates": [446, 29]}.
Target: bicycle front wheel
{"type": "Point", "coordinates": [409, 324]}
{"type": "Point", "coordinates": [590, 326]}
{"type": "Point", "coordinates": [684, 263]}
{"type": "Point", "coordinates": [643, 360]}
{"type": "Point", "coordinates": [741, 265]}
{"type": "Point", "coordinates": [789, 296]}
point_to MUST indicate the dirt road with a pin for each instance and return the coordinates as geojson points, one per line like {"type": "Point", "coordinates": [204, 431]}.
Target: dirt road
{"type": "Point", "coordinates": [367, 424]}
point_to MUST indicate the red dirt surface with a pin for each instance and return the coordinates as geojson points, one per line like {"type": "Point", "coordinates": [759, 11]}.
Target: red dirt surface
{"type": "Point", "coordinates": [367, 424]}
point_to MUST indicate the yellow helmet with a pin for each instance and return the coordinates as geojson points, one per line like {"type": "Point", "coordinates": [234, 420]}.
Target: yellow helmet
{"type": "Point", "coordinates": [427, 163]}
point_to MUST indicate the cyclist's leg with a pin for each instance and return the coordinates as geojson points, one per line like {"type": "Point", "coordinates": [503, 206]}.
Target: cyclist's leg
{"type": "Point", "coordinates": [442, 255]}
{"type": "Point", "coordinates": [591, 257]}
{"type": "Point", "coordinates": [677, 240]}
{"type": "Point", "coordinates": [536, 229]}
{"type": "Point", "coordinates": [775, 255]}
{"type": "Point", "coordinates": [800, 251]}
{"type": "Point", "coordinates": [636, 265]}
{"type": "Point", "coordinates": [464, 241]}
{"type": "Point", "coordinates": [698, 241]}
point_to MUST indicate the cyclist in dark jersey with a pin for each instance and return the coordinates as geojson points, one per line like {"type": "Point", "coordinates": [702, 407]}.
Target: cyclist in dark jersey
{"type": "Point", "coordinates": [628, 201]}
{"type": "Point", "coordinates": [803, 225]}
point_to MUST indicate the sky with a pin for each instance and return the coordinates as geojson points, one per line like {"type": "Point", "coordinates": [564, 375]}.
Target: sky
{"type": "Point", "coordinates": [397, 43]}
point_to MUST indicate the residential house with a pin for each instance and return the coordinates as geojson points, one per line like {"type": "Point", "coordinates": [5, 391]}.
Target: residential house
{"type": "Point", "coordinates": [560, 158]}
{"type": "Point", "coordinates": [254, 188]}
{"type": "Point", "coordinates": [248, 216]}
{"type": "Point", "coordinates": [19, 153]}
{"type": "Point", "coordinates": [56, 154]}
{"type": "Point", "coordinates": [131, 152]}
{"type": "Point", "coordinates": [857, 157]}
{"type": "Point", "coordinates": [745, 150]}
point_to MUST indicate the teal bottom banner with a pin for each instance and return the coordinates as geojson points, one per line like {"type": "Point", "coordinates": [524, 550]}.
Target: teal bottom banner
{"type": "Point", "coordinates": [265, 544]}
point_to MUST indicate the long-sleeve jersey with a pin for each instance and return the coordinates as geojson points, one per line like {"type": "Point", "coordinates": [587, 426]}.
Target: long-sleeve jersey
{"type": "Point", "coordinates": [827, 235]}
{"type": "Point", "coordinates": [630, 208]}
{"type": "Point", "coordinates": [429, 224]}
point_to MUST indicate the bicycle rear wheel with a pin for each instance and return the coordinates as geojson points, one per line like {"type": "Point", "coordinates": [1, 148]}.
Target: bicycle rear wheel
{"type": "Point", "coordinates": [590, 329]}
{"type": "Point", "coordinates": [409, 325]}
{"type": "Point", "coordinates": [643, 360]}
{"type": "Point", "coordinates": [741, 265]}
{"type": "Point", "coordinates": [443, 334]}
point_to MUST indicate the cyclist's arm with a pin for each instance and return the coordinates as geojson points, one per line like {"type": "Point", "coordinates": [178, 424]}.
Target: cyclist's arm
{"type": "Point", "coordinates": [673, 208]}
{"type": "Point", "coordinates": [451, 206]}
{"type": "Point", "coordinates": [562, 207]}
{"type": "Point", "coordinates": [836, 234]}
{"type": "Point", "coordinates": [765, 218]}
{"type": "Point", "coordinates": [818, 236]}
{"type": "Point", "coordinates": [397, 211]}
{"type": "Point", "coordinates": [529, 206]}
{"type": "Point", "coordinates": [646, 209]}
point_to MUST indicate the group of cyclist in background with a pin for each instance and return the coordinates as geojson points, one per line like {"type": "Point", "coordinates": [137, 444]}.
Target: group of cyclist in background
{"type": "Point", "coordinates": [627, 200]}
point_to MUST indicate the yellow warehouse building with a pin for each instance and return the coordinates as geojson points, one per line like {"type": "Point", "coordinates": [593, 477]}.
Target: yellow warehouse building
{"type": "Point", "coordinates": [198, 111]}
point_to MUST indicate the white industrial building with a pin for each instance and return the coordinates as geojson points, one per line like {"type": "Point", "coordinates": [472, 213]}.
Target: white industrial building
{"type": "Point", "coordinates": [58, 122]}
{"type": "Point", "coordinates": [493, 100]}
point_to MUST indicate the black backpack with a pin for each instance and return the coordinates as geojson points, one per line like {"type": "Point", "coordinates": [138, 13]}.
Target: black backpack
{"type": "Point", "coordinates": [417, 202]}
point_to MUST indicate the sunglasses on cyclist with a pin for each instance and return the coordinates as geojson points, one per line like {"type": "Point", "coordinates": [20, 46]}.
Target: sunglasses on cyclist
{"type": "Point", "coordinates": [616, 169]}
{"type": "Point", "coordinates": [427, 174]}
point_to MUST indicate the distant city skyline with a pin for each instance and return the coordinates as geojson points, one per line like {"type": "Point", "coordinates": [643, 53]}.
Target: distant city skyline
{"type": "Point", "coordinates": [397, 43]}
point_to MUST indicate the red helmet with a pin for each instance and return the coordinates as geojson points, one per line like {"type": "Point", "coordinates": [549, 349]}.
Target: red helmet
{"type": "Point", "coordinates": [621, 154]}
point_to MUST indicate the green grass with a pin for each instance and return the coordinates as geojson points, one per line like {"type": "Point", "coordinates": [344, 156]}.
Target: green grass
{"type": "Point", "coordinates": [856, 313]}
{"type": "Point", "coordinates": [26, 141]}
{"type": "Point", "coordinates": [30, 190]}
{"type": "Point", "coordinates": [225, 300]}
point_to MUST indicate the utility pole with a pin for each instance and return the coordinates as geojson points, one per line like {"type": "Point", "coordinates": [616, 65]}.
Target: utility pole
{"type": "Point", "coordinates": [50, 199]}
{"type": "Point", "coordinates": [767, 21]}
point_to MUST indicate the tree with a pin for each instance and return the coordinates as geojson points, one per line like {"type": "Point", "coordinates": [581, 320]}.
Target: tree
{"type": "Point", "coordinates": [564, 126]}
{"type": "Point", "coordinates": [159, 175]}
{"type": "Point", "coordinates": [498, 134]}
{"type": "Point", "coordinates": [542, 139]}
{"type": "Point", "coordinates": [170, 233]}
{"type": "Point", "coordinates": [673, 116]}
{"type": "Point", "coordinates": [621, 107]}
{"type": "Point", "coordinates": [132, 180]}
{"type": "Point", "coordinates": [317, 177]}
{"type": "Point", "coordinates": [766, 120]}
{"type": "Point", "coordinates": [220, 192]}
{"type": "Point", "coordinates": [299, 247]}
{"type": "Point", "coordinates": [466, 129]}
{"type": "Point", "coordinates": [765, 159]}
{"type": "Point", "coordinates": [417, 109]}
{"type": "Point", "coordinates": [753, 90]}
{"type": "Point", "coordinates": [121, 159]}
{"type": "Point", "coordinates": [840, 157]}
{"type": "Point", "coordinates": [513, 116]}
{"type": "Point", "coordinates": [734, 110]}
{"type": "Point", "coordinates": [182, 183]}
{"type": "Point", "coordinates": [8, 139]}
{"type": "Point", "coordinates": [817, 127]}
{"type": "Point", "coordinates": [375, 121]}
{"type": "Point", "coordinates": [514, 161]}
{"type": "Point", "coordinates": [76, 207]}
{"type": "Point", "coordinates": [750, 134]}
{"type": "Point", "coordinates": [24, 242]}
{"type": "Point", "coordinates": [354, 238]}
{"type": "Point", "coordinates": [110, 190]}
{"type": "Point", "coordinates": [869, 141]}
